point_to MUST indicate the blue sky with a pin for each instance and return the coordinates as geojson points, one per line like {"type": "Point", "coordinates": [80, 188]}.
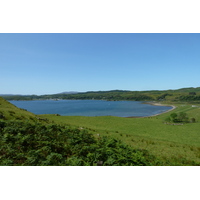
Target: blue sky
{"type": "Point", "coordinates": [52, 63]}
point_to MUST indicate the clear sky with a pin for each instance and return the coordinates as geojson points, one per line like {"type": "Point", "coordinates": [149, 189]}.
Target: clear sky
{"type": "Point", "coordinates": [53, 63]}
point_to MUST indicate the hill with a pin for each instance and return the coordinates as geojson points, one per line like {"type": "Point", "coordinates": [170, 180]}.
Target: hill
{"type": "Point", "coordinates": [10, 112]}
{"type": "Point", "coordinates": [183, 94]}
{"type": "Point", "coordinates": [70, 92]}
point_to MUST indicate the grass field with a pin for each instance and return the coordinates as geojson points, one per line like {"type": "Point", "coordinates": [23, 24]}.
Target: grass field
{"type": "Point", "coordinates": [174, 142]}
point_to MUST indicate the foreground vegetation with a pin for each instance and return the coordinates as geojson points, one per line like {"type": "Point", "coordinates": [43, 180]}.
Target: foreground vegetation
{"type": "Point", "coordinates": [28, 139]}
{"type": "Point", "coordinates": [37, 144]}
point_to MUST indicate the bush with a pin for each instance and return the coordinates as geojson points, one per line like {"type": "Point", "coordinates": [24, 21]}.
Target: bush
{"type": "Point", "coordinates": [2, 116]}
{"type": "Point", "coordinates": [22, 143]}
{"type": "Point", "coordinates": [177, 118]}
{"type": "Point", "coordinates": [174, 117]}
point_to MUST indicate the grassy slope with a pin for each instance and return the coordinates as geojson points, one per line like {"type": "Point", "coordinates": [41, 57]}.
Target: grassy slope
{"type": "Point", "coordinates": [171, 141]}
{"type": "Point", "coordinates": [9, 111]}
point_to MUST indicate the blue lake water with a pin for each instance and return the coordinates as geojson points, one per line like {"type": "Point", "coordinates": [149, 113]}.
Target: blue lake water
{"type": "Point", "coordinates": [91, 108]}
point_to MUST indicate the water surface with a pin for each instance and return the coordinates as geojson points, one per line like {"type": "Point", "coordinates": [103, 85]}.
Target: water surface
{"type": "Point", "coordinates": [91, 108]}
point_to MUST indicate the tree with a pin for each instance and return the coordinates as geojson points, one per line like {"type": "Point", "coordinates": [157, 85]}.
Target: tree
{"type": "Point", "coordinates": [173, 117]}
{"type": "Point", "coordinates": [182, 117]}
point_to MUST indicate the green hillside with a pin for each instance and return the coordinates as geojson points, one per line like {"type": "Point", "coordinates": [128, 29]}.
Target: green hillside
{"type": "Point", "coordinates": [179, 95]}
{"type": "Point", "coordinates": [10, 112]}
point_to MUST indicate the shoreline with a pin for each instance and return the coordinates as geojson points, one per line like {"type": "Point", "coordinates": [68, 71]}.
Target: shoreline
{"type": "Point", "coordinates": [143, 102]}
{"type": "Point", "coordinates": [155, 104]}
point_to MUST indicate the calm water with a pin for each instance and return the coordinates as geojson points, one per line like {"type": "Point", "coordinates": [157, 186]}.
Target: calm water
{"type": "Point", "coordinates": [91, 108]}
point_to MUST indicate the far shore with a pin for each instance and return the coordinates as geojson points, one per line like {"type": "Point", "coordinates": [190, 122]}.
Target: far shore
{"type": "Point", "coordinates": [155, 104]}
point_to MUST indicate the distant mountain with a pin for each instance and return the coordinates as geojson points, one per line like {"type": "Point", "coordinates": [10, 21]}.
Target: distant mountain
{"type": "Point", "coordinates": [11, 95]}
{"type": "Point", "coordinates": [70, 92]}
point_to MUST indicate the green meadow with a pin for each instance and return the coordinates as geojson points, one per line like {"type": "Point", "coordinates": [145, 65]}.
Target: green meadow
{"type": "Point", "coordinates": [175, 143]}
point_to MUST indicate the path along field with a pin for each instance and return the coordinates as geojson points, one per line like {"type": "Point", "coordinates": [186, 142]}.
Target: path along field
{"type": "Point", "coordinates": [174, 142]}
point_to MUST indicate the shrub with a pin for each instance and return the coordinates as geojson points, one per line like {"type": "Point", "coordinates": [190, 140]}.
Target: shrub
{"type": "Point", "coordinates": [176, 118]}
{"type": "Point", "coordinates": [2, 116]}
{"type": "Point", "coordinates": [22, 143]}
